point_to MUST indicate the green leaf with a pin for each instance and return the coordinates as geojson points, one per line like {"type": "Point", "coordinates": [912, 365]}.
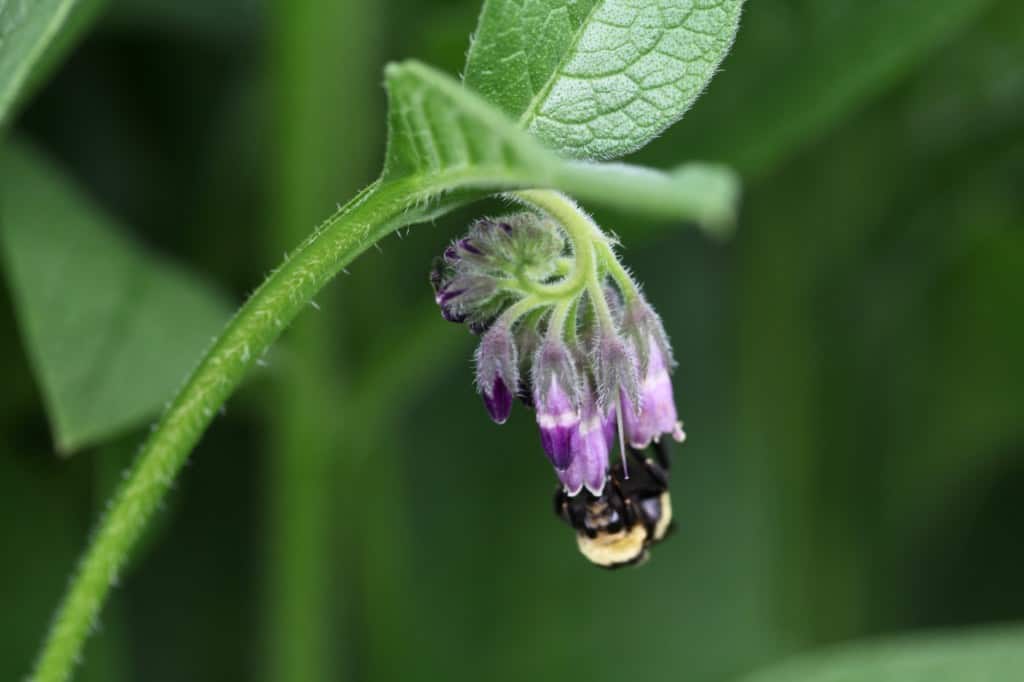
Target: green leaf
{"type": "Point", "coordinates": [981, 655]}
{"type": "Point", "coordinates": [110, 328]}
{"type": "Point", "coordinates": [448, 137]}
{"type": "Point", "coordinates": [26, 30]}
{"type": "Point", "coordinates": [598, 78]}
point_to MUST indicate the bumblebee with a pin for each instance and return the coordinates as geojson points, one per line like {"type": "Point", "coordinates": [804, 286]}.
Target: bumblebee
{"type": "Point", "coordinates": [618, 527]}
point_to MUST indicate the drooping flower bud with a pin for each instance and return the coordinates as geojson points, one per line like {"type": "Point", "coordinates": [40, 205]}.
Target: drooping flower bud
{"type": "Point", "coordinates": [590, 444]}
{"type": "Point", "coordinates": [497, 371]}
{"type": "Point", "coordinates": [462, 295]}
{"type": "Point", "coordinates": [529, 340]}
{"type": "Point", "coordinates": [616, 371]}
{"type": "Point", "coordinates": [643, 329]}
{"type": "Point", "coordinates": [657, 414]}
{"type": "Point", "coordinates": [556, 397]}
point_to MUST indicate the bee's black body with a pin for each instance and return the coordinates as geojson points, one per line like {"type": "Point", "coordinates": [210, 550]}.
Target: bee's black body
{"type": "Point", "coordinates": [618, 527]}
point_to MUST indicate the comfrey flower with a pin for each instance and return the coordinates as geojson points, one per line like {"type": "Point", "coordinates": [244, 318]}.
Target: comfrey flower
{"type": "Point", "coordinates": [556, 397]}
{"type": "Point", "coordinates": [655, 415]}
{"type": "Point", "coordinates": [563, 327]}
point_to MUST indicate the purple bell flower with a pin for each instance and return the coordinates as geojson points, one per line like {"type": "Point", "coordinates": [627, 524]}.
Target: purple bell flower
{"type": "Point", "coordinates": [656, 415]}
{"type": "Point", "coordinates": [497, 371]}
{"type": "Point", "coordinates": [590, 445]}
{"type": "Point", "coordinates": [556, 399]}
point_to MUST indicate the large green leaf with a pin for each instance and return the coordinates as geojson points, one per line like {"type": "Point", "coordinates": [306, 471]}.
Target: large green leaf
{"type": "Point", "coordinates": [983, 655]}
{"type": "Point", "coordinates": [598, 78]}
{"type": "Point", "coordinates": [110, 328]}
{"type": "Point", "coordinates": [443, 137]}
{"type": "Point", "coordinates": [26, 30]}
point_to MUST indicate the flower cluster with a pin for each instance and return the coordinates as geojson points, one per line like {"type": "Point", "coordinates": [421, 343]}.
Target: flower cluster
{"type": "Point", "coordinates": [563, 327]}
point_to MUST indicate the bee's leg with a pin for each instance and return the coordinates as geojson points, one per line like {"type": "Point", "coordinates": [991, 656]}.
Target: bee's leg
{"type": "Point", "coordinates": [570, 511]}
{"type": "Point", "coordinates": [661, 453]}
{"type": "Point", "coordinates": [656, 471]}
{"type": "Point", "coordinates": [645, 518]}
{"type": "Point", "coordinates": [558, 502]}
{"type": "Point", "coordinates": [620, 502]}
{"type": "Point", "coordinates": [562, 505]}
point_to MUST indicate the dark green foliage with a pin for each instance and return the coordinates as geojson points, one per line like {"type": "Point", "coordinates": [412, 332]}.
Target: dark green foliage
{"type": "Point", "coordinates": [851, 373]}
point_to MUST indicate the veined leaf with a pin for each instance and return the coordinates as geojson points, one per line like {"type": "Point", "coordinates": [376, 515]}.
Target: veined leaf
{"type": "Point", "coordinates": [598, 78]}
{"type": "Point", "coordinates": [451, 138]}
{"type": "Point", "coordinates": [982, 655]}
{"type": "Point", "coordinates": [27, 27]}
{"type": "Point", "coordinates": [110, 328]}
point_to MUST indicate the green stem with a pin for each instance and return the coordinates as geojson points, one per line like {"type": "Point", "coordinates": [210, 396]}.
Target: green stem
{"type": "Point", "coordinates": [520, 308]}
{"type": "Point", "coordinates": [557, 326]}
{"type": "Point", "coordinates": [378, 210]}
{"type": "Point", "coordinates": [588, 241]}
{"type": "Point", "coordinates": [630, 290]}
{"type": "Point", "coordinates": [582, 231]}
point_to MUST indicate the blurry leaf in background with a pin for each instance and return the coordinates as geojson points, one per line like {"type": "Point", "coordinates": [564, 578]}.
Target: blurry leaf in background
{"type": "Point", "coordinates": [598, 79]}
{"type": "Point", "coordinates": [982, 655]}
{"type": "Point", "coordinates": [224, 20]}
{"type": "Point", "coordinates": [26, 29]}
{"type": "Point", "coordinates": [111, 329]}
{"type": "Point", "coordinates": [825, 60]}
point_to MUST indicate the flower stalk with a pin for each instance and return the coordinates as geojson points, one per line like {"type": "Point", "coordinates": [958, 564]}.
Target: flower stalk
{"type": "Point", "coordinates": [600, 366]}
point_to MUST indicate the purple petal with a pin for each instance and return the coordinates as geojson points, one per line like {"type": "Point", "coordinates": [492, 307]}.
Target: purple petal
{"type": "Point", "coordinates": [590, 452]}
{"type": "Point", "coordinates": [558, 420]}
{"type": "Point", "coordinates": [657, 415]}
{"type": "Point", "coordinates": [557, 442]}
{"type": "Point", "coordinates": [469, 246]}
{"type": "Point", "coordinates": [499, 402]}
{"type": "Point", "coordinates": [449, 314]}
{"type": "Point", "coordinates": [572, 478]}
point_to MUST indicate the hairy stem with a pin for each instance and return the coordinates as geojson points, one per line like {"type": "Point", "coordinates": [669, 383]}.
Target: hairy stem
{"type": "Point", "coordinates": [618, 272]}
{"type": "Point", "coordinates": [582, 233]}
{"type": "Point", "coordinates": [587, 240]}
{"type": "Point", "coordinates": [379, 209]}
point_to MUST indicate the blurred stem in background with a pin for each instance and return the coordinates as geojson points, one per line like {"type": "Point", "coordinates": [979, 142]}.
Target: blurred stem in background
{"type": "Point", "coordinates": [324, 77]}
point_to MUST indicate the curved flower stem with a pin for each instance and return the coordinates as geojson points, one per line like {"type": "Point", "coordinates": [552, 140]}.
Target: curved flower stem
{"type": "Point", "coordinates": [609, 260]}
{"type": "Point", "coordinates": [588, 241]}
{"type": "Point", "coordinates": [557, 326]}
{"type": "Point", "coordinates": [582, 233]}
{"type": "Point", "coordinates": [374, 212]}
{"type": "Point", "coordinates": [521, 307]}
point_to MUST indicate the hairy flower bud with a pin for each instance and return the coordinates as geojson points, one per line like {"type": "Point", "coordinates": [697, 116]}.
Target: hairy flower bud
{"type": "Point", "coordinates": [657, 414]}
{"type": "Point", "coordinates": [556, 397]}
{"type": "Point", "coordinates": [616, 371]}
{"type": "Point", "coordinates": [497, 371]}
{"type": "Point", "coordinates": [529, 340]}
{"type": "Point", "coordinates": [644, 331]}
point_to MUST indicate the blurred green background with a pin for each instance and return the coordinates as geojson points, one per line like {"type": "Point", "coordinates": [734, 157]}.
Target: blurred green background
{"type": "Point", "coordinates": [851, 366]}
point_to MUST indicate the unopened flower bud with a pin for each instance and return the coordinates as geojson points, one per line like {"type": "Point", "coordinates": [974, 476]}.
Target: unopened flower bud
{"type": "Point", "coordinates": [463, 295]}
{"type": "Point", "coordinates": [529, 340]}
{"type": "Point", "coordinates": [616, 371]}
{"type": "Point", "coordinates": [497, 371]}
{"type": "Point", "coordinates": [644, 330]}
